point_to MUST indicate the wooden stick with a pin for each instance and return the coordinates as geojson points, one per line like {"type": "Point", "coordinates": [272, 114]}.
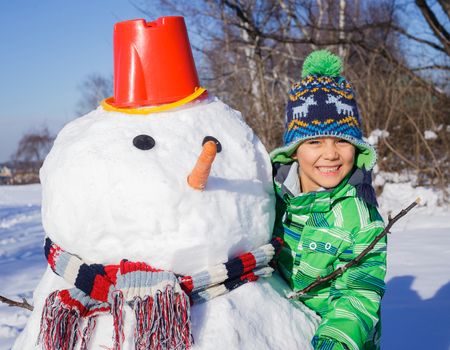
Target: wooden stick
{"type": "Point", "coordinates": [24, 304]}
{"type": "Point", "coordinates": [339, 271]}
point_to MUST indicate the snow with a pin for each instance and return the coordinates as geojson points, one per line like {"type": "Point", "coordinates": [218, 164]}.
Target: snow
{"type": "Point", "coordinates": [20, 195]}
{"type": "Point", "coordinates": [430, 135]}
{"type": "Point", "coordinates": [416, 306]}
{"type": "Point", "coordinates": [376, 135]}
{"type": "Point", "coordinates": [21, 260]}
{"type": "Point", "coordinates": [382, 177]}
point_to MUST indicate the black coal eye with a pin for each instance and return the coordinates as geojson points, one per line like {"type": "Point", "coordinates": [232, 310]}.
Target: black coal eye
{"type": "Point", "coordinates": [216, 141]}
{"type": "Point", "coordinates": [144, 142]}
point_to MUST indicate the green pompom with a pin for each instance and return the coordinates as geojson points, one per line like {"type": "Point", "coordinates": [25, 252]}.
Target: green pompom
{"type": "Point", "coordinates": [322, 63]}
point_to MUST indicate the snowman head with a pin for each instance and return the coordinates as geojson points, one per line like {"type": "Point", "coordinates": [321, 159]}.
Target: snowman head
{"type": "Point", "coordinates": [115, 186]}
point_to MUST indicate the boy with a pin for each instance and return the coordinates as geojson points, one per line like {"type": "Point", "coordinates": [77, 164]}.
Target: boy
{"type": "Point", "coordinates": [326, 207]}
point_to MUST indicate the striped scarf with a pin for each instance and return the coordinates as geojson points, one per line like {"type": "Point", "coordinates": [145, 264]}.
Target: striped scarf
{"type": "Point", "coordinates": [160, 299]}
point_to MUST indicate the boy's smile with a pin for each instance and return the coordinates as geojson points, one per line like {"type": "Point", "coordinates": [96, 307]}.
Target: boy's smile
{"type": "Point", "coordinates": [324, 162]}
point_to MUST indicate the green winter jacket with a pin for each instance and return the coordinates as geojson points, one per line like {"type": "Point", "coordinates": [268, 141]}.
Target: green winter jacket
{"type": "Point", "coordinates": [323, 230]}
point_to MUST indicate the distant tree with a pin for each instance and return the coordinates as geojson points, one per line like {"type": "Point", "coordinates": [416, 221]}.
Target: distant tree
{"type": "Point", "coordinates": [93, 90]}
{"type": "Point", "coordinates": [33, 148]}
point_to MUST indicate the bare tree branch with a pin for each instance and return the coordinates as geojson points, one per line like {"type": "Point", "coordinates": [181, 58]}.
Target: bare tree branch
{"type": "Point", "coordinates": [24, 304]}
{"type": "Point", "coordinates": [437, 28]}
{"type": "Point", "coordinates": [417, 39]}
{"type": "Point", "coordinates": [431, 67]}
{"type": "Point", "coordinates": [93, 90]}
{"type": "Point", "coordinates": [445, 4]}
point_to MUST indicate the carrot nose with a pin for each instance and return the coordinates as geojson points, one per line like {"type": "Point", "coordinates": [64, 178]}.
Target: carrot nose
{"type": "Point", "coordinates": [198, 177]}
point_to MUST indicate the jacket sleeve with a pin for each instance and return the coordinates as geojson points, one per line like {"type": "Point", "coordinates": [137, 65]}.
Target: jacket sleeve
{"type": "Point", "coordinates": [327, 344]}
{"type": "Point", "coordinates": [353, 316]}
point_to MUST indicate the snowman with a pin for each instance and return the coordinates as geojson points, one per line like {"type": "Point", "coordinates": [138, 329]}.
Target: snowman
{"type": "Point", "coordinates": [155, 206]}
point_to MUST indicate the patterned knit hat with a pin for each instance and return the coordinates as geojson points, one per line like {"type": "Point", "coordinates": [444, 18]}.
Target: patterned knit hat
{"type": "Point", "coordinates": [323, 104]}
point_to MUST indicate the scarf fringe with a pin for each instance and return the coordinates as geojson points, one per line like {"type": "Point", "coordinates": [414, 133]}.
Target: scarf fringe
{"type": "Point", "coordinates": [59, 325]}
{"type": "Point", "coordinates": [87, 332]}
{"type": "Point", "coordinates": [117, 314]}
{"type": "Point", "coordinates": [163, 322]}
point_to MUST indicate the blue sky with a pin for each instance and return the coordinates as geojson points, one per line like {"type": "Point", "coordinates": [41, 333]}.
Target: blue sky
{"type": "Point", "coordinates": [47, 48]}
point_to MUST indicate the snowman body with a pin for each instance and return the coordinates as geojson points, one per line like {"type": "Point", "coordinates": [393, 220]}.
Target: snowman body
{"type": "Point", "coordinates": [105, 200]}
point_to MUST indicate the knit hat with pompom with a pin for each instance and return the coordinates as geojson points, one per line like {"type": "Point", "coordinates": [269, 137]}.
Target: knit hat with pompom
{"type": "Point", "coordinates": [322, 104]}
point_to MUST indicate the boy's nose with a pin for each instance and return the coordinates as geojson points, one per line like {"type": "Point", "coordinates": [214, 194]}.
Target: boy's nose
{"type": "Point", "coordinates": [330, 152]}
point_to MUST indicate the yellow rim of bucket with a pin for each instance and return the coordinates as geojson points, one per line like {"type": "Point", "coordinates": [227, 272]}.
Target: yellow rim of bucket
{"type": "Point", "coordinates": [108, 107]}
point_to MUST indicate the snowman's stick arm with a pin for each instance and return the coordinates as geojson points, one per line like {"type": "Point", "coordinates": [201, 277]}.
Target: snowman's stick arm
{"type": "Point", "coordinates": [24, 304]}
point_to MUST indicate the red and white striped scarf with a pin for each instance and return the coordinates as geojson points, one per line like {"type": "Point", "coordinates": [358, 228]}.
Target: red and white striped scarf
{"type": "Point", "coordinates": [160, 299]}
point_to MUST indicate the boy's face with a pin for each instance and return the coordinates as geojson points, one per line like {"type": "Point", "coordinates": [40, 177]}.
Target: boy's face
{"type": "Point", "coordinates": [324, 162]}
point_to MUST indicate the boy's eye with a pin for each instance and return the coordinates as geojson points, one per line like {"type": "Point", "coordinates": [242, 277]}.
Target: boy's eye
{"type": "Point", "coordinates": [313, 142]}
{"type": "Point", "coordinates": [343, 141]}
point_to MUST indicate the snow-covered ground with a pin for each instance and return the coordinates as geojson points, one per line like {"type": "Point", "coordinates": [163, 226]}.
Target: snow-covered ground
{"type": "Point", "coordinates": [21, 255]}
{"type": "Point", "coordinates": [416, 307]}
